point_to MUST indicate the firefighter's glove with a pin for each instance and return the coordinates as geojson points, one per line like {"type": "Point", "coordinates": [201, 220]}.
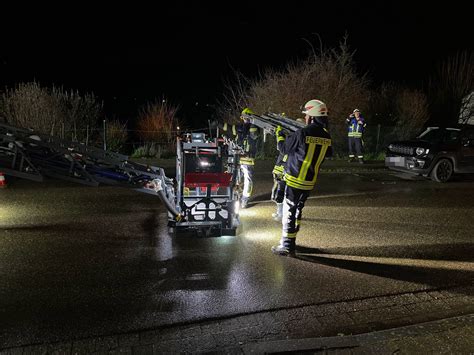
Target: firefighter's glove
{"type": "Point", "coordinates": [179, 217]}
{"type": "Point", "coordinates": [280, 135]}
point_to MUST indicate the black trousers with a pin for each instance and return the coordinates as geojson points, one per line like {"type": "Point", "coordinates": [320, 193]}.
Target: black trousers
{"type": "Point", "coordinates": [355, 146]}
{"type": "Point", "coordinates": [278, 190]}
{"type": "Point", "coordinates": [293, 211]}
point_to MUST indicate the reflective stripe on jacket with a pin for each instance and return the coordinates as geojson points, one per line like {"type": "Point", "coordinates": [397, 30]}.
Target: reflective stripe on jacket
{"type": "Point", "coordinates": [247, 139]}
{"type": "Point", "coordinates": [356, 128]}
{"type": "Point", "coordinates": [229, 130]}
{"type": "Point", "coordinates": [279, 168]}
{"type": "Point", "coordinates": [306, 149]}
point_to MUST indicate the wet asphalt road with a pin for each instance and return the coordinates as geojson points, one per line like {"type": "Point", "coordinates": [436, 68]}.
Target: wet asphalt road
{"type": "Point", "coordinates": [77, 261]}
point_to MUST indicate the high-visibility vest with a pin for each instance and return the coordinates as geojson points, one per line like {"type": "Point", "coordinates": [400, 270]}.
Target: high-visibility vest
{"type": "Point", "coordinates": [356, 128]}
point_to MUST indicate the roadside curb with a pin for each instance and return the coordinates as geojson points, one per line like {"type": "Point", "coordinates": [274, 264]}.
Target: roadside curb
{"type": "Point", "coordinates": [431, 314]}
{"type": "Point", "coordinates": [370, 341]}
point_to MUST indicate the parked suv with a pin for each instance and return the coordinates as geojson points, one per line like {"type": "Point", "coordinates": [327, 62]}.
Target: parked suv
{"type": "Point", "coordinates": [437, 153]}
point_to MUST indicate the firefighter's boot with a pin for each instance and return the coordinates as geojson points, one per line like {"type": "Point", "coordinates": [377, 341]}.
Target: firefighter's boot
{"type": "Point", "coordinates": [244, 202]}
{"type": "Point", "coordinates": [286, 247]}
{"type": "Point", "coordinates": [279, 212]}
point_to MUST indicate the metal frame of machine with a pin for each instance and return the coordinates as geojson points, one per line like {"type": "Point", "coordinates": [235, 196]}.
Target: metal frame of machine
{"type": "Point", "coordinates": [206, 186]}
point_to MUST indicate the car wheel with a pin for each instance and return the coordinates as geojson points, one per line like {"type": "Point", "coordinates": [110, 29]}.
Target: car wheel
{"type": "Point", "coordinates": [442, 171]}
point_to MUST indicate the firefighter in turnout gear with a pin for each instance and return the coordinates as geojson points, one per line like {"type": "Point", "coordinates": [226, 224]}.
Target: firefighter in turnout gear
{"type": "Point", "coordinates": [356, 127]}
{"type": "Point", "coordinates": [306, 149]}
{"type": "Point", "coordinates": [247, 138]}
{"type": "Point", "coordinates": [245, 135]}
{"type": "Point", "coordinates": [278, 190]}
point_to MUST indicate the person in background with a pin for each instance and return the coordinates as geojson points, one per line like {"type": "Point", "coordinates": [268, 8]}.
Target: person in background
{"type": "Point", "coordinates": [356, 127]}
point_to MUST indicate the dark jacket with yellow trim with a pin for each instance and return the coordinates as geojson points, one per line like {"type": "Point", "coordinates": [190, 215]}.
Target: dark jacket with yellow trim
{"type": "Point", "coordinates": [306, 150]}
{"type": "Point", "coordinates": [279, 168]}
{"type": "Point", "coordinates": [229, 130]}
{"type": "Point", "coordinates": [245, 135]}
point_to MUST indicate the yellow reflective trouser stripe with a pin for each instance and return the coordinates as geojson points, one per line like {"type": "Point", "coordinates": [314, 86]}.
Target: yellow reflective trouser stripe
{"type": "Point", "coordinates": [307, 161]}
{"type": "Point", "coordinates": [225, 127]}
{"type": "Point", "coordinates": [234, 130]}
{"type": "Point", "coordinates": [289, 235]}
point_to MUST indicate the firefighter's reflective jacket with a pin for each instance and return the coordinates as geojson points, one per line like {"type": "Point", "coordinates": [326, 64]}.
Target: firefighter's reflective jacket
{"type": "Point", "coordinates": [229, 130]}
{"type": "Point", "coordinates": [355, 127]}
{"type": "Point", "coordinates": [246, 135]}
{"type": "Point", "coordinates": [306, 150]}
{"type": "Point", "coordinates": [279, 168]}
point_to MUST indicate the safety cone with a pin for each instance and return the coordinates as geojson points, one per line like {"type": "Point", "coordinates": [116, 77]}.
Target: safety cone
{"type": "Point", "coordinates": [3, 181]}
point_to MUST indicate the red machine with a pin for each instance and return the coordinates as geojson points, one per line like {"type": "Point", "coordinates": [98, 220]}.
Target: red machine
{"type": "Point", "coordinates": [206, 193]}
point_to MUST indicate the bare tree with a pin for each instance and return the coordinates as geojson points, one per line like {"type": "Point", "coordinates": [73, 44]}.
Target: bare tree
{"type": "Point", "coordinates": [329, 75]}
{"type": "Point", "coordinates": [451, 84]}
{"type": "Point", "coordinates": [31, 106]}
{"type": "Point", "coordinates": [411, 113]}
{"type": "Point", "coordinates": [157, 124]}
{"type": "Point", "coordinates": [50, 111]}
{"type": "Point", "coordinates": [116, 135]}
{"type": "Point", "coordinates": [81, 111]}
{"type": "Point", "coordinates": [401, 113]}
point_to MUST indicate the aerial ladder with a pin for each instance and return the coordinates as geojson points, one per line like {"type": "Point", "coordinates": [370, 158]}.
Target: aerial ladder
{"type": "Point", "coordinates": [268, 122]}
{"type": "Point", "coordinates": [202, 197]}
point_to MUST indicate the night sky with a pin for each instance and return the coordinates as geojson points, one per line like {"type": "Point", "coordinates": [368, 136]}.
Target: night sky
{"type": "Point", "coordinates": [133, 55]}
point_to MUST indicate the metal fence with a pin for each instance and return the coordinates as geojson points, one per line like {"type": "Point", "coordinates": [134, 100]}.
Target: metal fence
{"type": "Point", "coordinates": [376, 138]}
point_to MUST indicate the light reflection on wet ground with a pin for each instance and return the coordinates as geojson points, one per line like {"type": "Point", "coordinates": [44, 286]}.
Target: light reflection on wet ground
{"type": "Point", "coordinates": [78, 261]}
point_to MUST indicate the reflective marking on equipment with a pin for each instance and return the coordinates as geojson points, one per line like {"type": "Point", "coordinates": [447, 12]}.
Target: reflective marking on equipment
{"type": "Point", "coordinates": [318, 140]}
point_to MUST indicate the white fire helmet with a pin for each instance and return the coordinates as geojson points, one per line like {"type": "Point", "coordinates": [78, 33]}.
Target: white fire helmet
{"type": "Point", "coordinates": [315, 108]}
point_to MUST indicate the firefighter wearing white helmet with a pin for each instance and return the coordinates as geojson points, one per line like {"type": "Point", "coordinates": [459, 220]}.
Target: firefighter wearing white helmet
{"type": "Point", "coordinates": [355, 129]}
{"type": "Point", "coordinates": [306, 150]}
{"type": "Point", "coordinates": [315, 108]}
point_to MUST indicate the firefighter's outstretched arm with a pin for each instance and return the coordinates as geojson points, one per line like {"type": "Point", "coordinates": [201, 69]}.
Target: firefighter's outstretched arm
{"type": "Point", "coordinates": [287, 144]}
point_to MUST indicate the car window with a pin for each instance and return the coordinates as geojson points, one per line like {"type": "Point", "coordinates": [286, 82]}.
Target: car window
{"type": "Point", "coordinates": [452, 135]}
{"type": "Point", "coordinates": [432, 135]}
{"type": "Point", "coordinates": [469, 134]}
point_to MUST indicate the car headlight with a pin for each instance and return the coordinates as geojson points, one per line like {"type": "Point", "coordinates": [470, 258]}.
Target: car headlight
{"type": "Point", "coordinates": [421, 151]}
